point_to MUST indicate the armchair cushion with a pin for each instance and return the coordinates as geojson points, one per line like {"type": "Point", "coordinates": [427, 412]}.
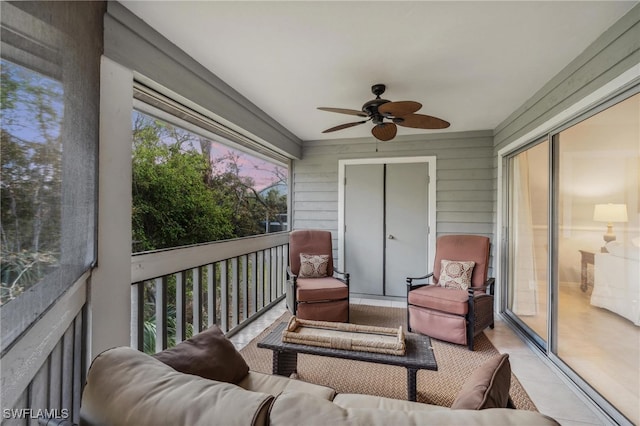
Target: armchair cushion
{"type": "Point", "coordinates": [456, 274]}
{"type": "Point", "coordinates": [313, 265]}
{"type": "Point", "coordinates": [208, 354]}
{"type": "Point", "coordinates": [319, 289]}
{"type": "Point", "coordinates": [440, 299]}
{"type": "Point", "coordinates": [487, 387]}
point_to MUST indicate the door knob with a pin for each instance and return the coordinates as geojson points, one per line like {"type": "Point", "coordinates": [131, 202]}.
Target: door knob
{"type": "Point", "coordinates": [391, 237]}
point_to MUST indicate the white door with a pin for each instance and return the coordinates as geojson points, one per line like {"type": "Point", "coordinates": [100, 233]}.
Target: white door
{"type": "Point", "coordinates": [386, 226]}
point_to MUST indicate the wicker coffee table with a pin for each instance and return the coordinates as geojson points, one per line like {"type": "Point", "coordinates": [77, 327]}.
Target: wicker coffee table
{"type": "Point", "coordinates": [418, 356]}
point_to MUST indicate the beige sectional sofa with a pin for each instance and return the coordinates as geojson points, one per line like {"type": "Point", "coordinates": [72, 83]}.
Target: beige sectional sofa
{"type": "Point", "coordinates": [127, 387]}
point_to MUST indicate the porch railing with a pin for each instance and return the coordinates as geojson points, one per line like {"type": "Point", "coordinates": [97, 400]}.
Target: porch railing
{"type": "Point", "coordinates": [178, 292]}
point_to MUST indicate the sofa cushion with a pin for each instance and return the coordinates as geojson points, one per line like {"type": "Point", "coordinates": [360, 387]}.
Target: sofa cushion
{"type": "Point", "coordinates": [208, 354]}
{"type": "Point", "coordinates": [294, 409]}
{"type": "Point", "coordinates": [274, 385]}
{"type": "Point", "coordinates": [456, 274]}
{"type": "Point", "coordinates": [313, 265]}
{"type": "Point", "coordinates": [127, 387]}
{"type": "Point", "coordinates": [487, 387]}
{"type": "Point", "coordinates": [355, 400]}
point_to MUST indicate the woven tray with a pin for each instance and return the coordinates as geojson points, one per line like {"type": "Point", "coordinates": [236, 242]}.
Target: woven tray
{"type": "Point", "coordinates": [337, 335]}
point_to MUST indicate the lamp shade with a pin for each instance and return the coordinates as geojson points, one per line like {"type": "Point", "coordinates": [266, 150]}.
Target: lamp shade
{"type": "Point", "coordinates": [610, 213]}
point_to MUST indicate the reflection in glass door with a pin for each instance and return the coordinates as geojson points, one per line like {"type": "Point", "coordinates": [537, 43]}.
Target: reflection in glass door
{"type": "Point", "coordinates": [528, 238]}
{"type": "Point", "coordinates": [597, 207]}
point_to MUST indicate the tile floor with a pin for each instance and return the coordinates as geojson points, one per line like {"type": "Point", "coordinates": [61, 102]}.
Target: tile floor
{"type": "Point", "coordinates": [546, 388]}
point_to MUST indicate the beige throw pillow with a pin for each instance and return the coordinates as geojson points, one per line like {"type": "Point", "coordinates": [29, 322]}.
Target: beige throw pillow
{"type": "Point", "coordinates": [313, 265]}
{"type": "Point", "coordinates": [456, 274]}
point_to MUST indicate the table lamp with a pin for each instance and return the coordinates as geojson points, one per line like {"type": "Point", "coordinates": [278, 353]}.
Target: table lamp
{"type": "Point", "coordinates": [610, 213]}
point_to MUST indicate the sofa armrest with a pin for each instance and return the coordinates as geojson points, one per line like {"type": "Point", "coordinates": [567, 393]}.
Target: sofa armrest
{"type": "Point", "coordinates": [125, 386]}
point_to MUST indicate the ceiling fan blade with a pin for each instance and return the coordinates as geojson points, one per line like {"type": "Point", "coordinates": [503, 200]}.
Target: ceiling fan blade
{"type": "Point", "coordinates": [344, 126]}
{"type": "Point", "coordinates": [399, 109]}
{"type": "Point", "coordinates": [384, 131]}
{"type": "Point", "coordinates": [344, 111]}
{"type": "Point", "coordinates": [421, 121]}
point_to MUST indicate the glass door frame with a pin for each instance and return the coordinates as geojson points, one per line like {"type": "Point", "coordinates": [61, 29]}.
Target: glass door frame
{"type": "Point", "coordinates": [550, 348]}
{"type": "Point", "coordinates": [507, 169]}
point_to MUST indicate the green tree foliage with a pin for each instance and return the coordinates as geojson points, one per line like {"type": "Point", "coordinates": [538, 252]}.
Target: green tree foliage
{"type": "Point", "coordinates": [31, 179]}
{"type": "Point", "coordinates": [172, 203]}
{"type": "Point", "coordinates": [251, 209]}
{"type": "Point", "coordinates": [181, 196]}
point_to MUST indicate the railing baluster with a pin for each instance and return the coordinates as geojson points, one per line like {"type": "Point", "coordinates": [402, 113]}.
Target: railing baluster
{"type": "Point", "coordinates": [197, 299]}
{"type": "Point", "coordinates": [245, 286]}
{"type": "Point", "coordinates": [161, 313]}
{"type": "Point", "coordinates": [211, 295]}
{"type": "Point", "coordinates": [260, 282]}
{"type": "Point", "coordinates": [273, 268]}
{"type": "Point", "coordinates": [254, 283]}
{"type": "Point", "coordinates": [79, 368]}
{"type": "Point", "coordinates": [235, 288]}
{"type": "Point", "coordinates": [285, 263]}
{"type": "Point", "coordinates": [181, 311]}
{"type": "Point", "coordinates": [278, 271]}
{"type": "Point", "coordinates": [224, 297]}
{"type": "Point", "coordinates": [137, 316]}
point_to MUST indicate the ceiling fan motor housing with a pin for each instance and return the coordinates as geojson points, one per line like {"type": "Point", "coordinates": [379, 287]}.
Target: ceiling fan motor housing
{"type": "Point", "coordinates": [371, 107]}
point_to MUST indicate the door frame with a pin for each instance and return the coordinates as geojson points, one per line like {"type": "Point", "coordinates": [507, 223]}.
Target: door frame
{"type": "Point", "coordinates": [431, 196]}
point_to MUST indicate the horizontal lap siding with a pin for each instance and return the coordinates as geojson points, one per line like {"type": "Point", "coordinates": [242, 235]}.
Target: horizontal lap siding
{"type": "Point", "coordinates": [614, 52]}
{"type": "Point", "coordinates": [465, 181]}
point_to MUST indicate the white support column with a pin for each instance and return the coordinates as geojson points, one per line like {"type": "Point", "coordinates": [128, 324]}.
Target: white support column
{"type": "Point", "coordinates": [109, 310]}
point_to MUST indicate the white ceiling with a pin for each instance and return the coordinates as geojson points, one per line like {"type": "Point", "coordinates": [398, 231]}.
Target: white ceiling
{"type": "Point", "coordinates": [471, 63]}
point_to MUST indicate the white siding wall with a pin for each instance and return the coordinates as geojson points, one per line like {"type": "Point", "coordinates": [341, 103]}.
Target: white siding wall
{"type": "Point", "coordinates": [465, 181]}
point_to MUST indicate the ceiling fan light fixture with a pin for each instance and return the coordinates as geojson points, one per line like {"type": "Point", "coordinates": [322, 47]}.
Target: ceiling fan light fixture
{"type": "Point", "coordinates": [384, 131]}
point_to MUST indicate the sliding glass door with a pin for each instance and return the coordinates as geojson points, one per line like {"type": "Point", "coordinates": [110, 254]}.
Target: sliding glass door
{"type": "Point", "coordinates": [572, 252]}
{"type": "Point", "coordinates": [598, 244]}
{"type": "Point", "coordinates": [528, 244]}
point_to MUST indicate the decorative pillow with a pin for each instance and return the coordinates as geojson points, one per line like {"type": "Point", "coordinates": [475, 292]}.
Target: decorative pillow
{"type": "Point", "coordinates": [456, 274]}
{"type": "Point", "coordinates": [313, 265]}
{"type": "Point", "coordinates": [208, 354]}
{"type": "Point", "coordinates": [487, 387]}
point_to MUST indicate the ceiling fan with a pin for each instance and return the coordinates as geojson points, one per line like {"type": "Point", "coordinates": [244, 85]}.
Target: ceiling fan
{"type": "Point", "coordinates": [378, 110]}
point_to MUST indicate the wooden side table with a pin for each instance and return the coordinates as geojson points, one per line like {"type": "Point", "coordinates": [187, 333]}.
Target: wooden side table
{"type": "Point", "coordinates": [586, 258]}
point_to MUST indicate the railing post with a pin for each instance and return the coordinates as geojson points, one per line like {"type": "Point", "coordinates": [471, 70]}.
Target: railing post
{"type": "Point", "coordinates": [245, 287]}
{"type": "Point", "coordinates": [197, 299]}
{"type": "Point", "coordinates": [274, 273]}
{"type": "Point", "coordinates": [211, 295]}
{"type": "Point", "coordinates": [161, 313]}
{"type": "Point", "coordinates": [224, 297]}
{"type": "Point", "coordinates": [260, 282]}
{"type": "Point", "coordinates": [254, 281]}
{"type": "Point", "coordinates": [235, 290]}
{"type": "Point", "coordinates": [181, 311]}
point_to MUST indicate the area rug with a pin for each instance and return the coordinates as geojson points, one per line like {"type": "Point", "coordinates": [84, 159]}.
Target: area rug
{"type": "Point", "coordinates": [455, 364]}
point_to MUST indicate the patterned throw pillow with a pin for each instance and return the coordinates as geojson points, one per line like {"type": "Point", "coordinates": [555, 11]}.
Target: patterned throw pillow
{"type": "Point", "coordinates": [456, 274]}
{"type": "Point", "coordinates": [313, 265]}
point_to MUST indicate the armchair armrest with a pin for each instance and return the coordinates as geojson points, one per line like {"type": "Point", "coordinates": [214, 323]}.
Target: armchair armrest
{"type": "Point", "coordinates": [411, 286]}
{"type": "Point", "coordinates": [489, 284]}
{"type": "Point", "coordinates": [345, 276]}
{"type": "Point", "coordinates": [291, 275]}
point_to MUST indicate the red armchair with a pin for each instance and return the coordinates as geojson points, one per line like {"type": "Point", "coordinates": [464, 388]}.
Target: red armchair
{"type": "Point", "coordinates": [455, 314]}
{"type": "Point", "coordinates": [313, 292]}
